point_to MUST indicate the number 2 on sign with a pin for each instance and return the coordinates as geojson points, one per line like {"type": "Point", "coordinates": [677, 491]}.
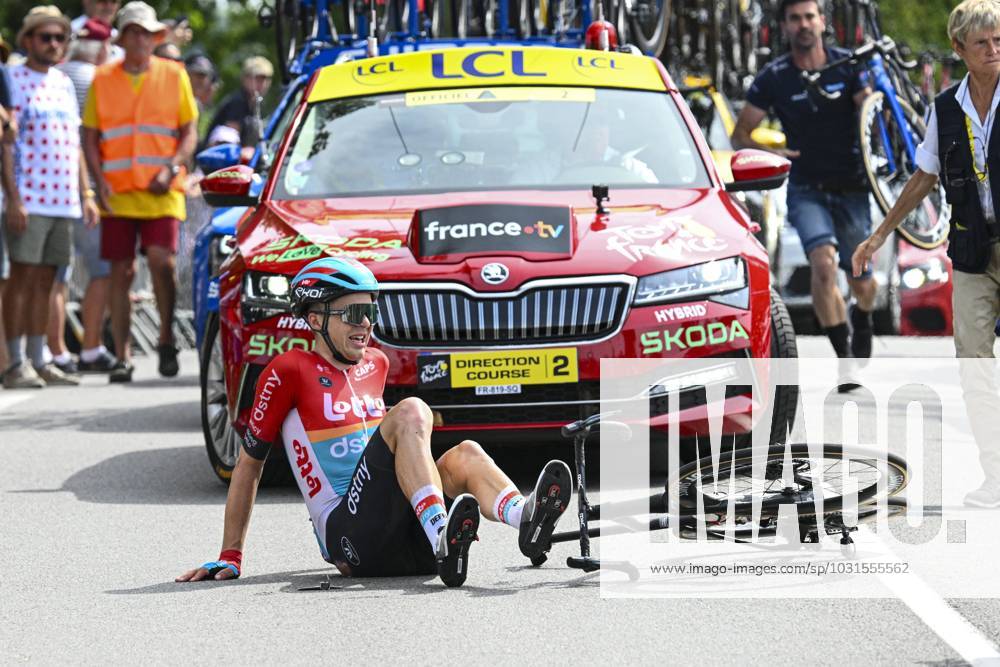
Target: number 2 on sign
{"type": "Point", "coordinates": [560, 364]}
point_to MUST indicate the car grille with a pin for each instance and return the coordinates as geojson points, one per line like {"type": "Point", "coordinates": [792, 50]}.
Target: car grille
{"type": "Point", "coordinates": [447, 316]}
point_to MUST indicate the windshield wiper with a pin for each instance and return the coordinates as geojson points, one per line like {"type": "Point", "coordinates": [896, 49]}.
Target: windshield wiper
{"type": "Point", "coordinates": [398, 133]}
{"type": "Point", "coordinates": [583, 122]}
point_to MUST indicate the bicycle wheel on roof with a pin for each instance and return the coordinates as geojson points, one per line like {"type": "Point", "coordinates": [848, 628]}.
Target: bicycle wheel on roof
{"type": "Point", "coordinates": [649, 20]}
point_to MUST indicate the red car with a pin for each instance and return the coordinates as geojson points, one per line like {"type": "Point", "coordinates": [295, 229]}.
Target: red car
{"type": "Point", "coordinates": [924, 291]}
{"type": "Point", "coordinates": [528, 211]}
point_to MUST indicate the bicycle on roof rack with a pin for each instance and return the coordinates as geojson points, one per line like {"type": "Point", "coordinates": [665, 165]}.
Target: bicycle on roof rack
{"type": "Point", "coordinates": [304, 28]}
{"type": "Point", "coordinates": [732, 485]}
{"type": "Point", "coordinates": [890, 128]}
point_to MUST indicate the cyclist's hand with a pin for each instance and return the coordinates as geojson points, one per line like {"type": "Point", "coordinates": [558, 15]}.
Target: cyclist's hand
{"type": "Point", "coordinates": [863, 254]}
{"type": "Point", "coordinates": [787, 153]}
{"type": "Point", "coordinates": [227, 567]}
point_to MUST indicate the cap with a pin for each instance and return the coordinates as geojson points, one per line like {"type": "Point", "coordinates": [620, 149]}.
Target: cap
{"type": "Point", "coordinates": [257, 65]}
{"type": "Point", "coordinates": [96, 30]}
{"type": "Point", "coordinates": [139, 13]}
{"type": "Point", "coordinates": [40, 16]}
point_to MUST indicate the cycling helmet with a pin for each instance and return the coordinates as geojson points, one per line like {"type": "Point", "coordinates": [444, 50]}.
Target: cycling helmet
{"type": "Point", "coordinates": [323, 280]}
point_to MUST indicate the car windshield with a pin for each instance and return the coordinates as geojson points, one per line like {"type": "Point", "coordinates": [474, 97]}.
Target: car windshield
{"type": "Point", "coordinates": [489, 139]}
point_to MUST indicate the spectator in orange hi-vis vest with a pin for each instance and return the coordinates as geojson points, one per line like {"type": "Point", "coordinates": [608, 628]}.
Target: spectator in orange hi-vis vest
{"type": "Point", "coordinates": [139, 131]}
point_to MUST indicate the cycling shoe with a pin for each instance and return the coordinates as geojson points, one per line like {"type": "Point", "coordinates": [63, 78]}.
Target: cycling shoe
{"type": "Point", "coordinates": [544, 507]}
{"type": "Point", "coordinates": [458, 534]}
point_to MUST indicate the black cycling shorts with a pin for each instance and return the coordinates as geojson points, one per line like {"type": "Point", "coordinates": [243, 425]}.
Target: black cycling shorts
{"type": "Point", "coordinates": [374, 532]}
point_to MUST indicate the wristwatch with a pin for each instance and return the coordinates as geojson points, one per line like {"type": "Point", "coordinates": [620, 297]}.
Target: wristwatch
{"type": "Point", "coordinates": [175, 169]}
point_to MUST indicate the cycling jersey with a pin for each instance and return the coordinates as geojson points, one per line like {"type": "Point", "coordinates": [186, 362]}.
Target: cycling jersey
{"type": "Point", "coordinates": [325, 417]}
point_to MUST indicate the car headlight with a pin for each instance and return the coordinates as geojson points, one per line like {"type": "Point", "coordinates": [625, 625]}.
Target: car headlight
{"type": "Point", "coordinates": [723, 280]}
{"type": "Point", "coordinates": [264, 295]}
{"type": "Point", "coordinates": [931, 271]}
{"type": "Point", "coordinates": [220, 250]}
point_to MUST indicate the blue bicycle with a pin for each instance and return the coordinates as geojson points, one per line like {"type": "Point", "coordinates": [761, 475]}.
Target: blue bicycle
{"type": "Point", "coordinates": [890, 127]}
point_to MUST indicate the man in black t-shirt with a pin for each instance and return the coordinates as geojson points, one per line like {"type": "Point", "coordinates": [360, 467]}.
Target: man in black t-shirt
{"type": "Point", "coordinates": [236, 112]}
{"type": "Point", "coordinates": [828, 200]}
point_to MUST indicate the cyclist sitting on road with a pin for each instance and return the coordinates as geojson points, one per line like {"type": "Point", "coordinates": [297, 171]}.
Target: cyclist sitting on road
{"type": "Point", "coordinates": [374, 493]}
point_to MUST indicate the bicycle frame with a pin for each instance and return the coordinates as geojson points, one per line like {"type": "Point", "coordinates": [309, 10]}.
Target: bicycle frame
{"type": "Point", "coordinates": [884, 85]}
{"type": "Point", "coordinates": [871, 55]}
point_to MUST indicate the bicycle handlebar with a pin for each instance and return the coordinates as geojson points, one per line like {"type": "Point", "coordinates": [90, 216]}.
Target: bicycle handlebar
{"type": "Point", "coordinates": [584, 425]}
{"type": "Point", "coordinates": [885, 47]}
{"type": "Point", "coordinates": [569, 430]}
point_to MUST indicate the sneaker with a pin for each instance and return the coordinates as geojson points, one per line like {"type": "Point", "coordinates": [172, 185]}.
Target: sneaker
{"type": "Point", "coordinates": [102, 364]}
{"type": "Point", "coordinates": [22, 376]}
{"type": "Point", "coordinates": [544, 507]}
{"type": "Point", "coordinates": [54, 377]}
{"type": "Point", "coordinates": [458, 534]}
{"type": "Point", "coordinates": [861, 336]}
{"type": "Point", "coordinates": [987, 495]}
{"type": "Point", "coordinates": [847, 378]}
{"type": "Point", "coordinates": [168, 360]}
{"type": "Point", "coordinates": [122, 372]}
{"type": "Point", "coordinates": [68, 367]}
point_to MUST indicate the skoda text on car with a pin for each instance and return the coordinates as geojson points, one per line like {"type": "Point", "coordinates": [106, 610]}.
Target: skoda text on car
{"type": "Point", "coordinates": [466, 180]}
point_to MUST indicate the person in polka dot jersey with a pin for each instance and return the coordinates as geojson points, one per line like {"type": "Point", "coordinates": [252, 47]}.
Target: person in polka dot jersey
{"type": "Point", "coordinates": [47, 190]}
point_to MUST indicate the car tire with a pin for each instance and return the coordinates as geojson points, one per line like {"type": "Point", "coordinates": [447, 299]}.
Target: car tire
{"type": "Point", "coordinates": [222, 442]}
{"type": "Point", "coordinates": [783, 346]}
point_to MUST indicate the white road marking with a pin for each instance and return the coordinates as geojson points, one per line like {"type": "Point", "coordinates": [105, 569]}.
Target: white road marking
{"type": "Point", "coordinates": [953, 628]}
{"type": "Point", "coordinates": [10, 400]}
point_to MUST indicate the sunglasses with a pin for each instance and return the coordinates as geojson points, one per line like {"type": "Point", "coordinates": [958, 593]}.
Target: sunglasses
{"type": "Point", "coordinates": [355, 314]}
{"type": "Point", "coordinates": [49, 37]}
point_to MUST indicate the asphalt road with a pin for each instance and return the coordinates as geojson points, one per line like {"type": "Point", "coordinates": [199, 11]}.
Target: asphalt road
{"type": "Point", "coordinates": [107, 495]}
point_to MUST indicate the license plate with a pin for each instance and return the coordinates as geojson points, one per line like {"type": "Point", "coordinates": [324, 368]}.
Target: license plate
{"type": "Point", "coordinates": [498, 391]}
{"type": "Point", "coordinates": [495, 369]}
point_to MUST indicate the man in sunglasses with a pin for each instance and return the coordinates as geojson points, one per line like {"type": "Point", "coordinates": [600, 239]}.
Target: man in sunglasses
{"type": "Point", "coordinates": [374, 493]}
{"type": "Point", "coordinates": [47, 189]}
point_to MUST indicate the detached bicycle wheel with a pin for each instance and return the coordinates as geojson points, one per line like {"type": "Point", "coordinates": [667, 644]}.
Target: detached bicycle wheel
{"type": "Point", "coordinates": [735, 485]}
{"type": "Point", "coordinates": [650, 23]}
{"type": "Point", "coordinates": [881, 137]}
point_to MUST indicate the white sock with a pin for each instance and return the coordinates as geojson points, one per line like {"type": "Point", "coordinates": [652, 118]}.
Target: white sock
{"type": "Point", "coordinates": [92, 354]}
{"type": "Point", "coordinates": [62, 358]}
{"type": "Point", "coordinates": [428, 503]}
{"type": "Point", "coordinates": [508, 506]}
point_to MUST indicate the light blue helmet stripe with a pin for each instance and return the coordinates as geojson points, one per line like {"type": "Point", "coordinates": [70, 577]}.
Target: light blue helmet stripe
{"type": "Point", "coordinates": [364, 279]}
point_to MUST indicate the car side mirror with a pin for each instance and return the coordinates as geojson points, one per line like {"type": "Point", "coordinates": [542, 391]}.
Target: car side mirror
{"type": "Point", "coordinates": [768, 138]}
{"type": "Point", "coordinates": [230, 187]}
{"type": "Point", "coordinates": [218, 157]}
{"type": "Point", "coordinates": [757, 170]}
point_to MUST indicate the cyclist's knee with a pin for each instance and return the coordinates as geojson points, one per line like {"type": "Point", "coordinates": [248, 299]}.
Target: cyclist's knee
{"type": "Point", "coordinates": [412, 410]}
{"type": "Point", "coordinates": [458, 461]}
{"type": "Point", "coordinates": [409, 415]}
{"type": "Point", "coordinates": [469, 452]}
